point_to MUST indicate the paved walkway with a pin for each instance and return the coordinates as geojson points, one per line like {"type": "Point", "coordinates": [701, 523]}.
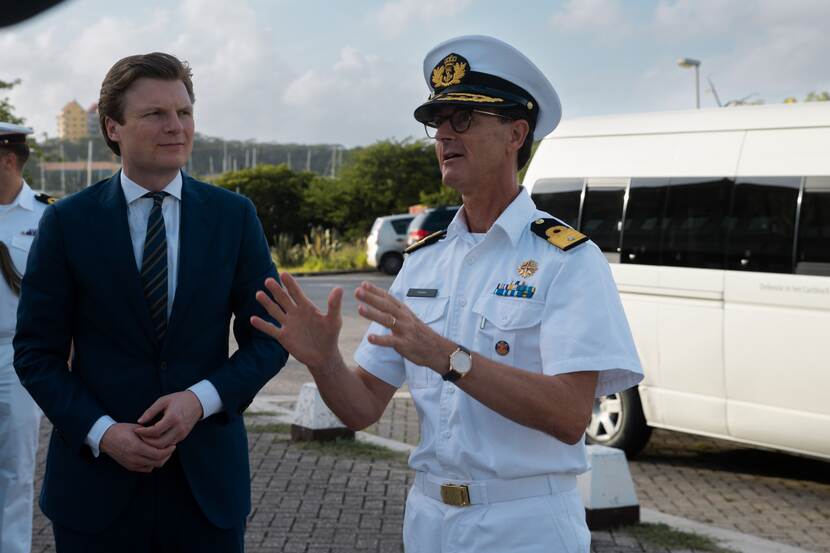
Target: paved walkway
{"type": "Point", "coordinates": [311, 499]}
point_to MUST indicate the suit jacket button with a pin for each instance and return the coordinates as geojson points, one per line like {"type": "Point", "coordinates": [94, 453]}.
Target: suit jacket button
{"type": "Point", "coordinates": [163, 365]}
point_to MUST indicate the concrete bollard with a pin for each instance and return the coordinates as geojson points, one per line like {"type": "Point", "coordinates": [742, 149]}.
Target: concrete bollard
{"type": "Point", "coordinates": [314, 421]}
{"type": "Point", "coordinates": [607, 489]}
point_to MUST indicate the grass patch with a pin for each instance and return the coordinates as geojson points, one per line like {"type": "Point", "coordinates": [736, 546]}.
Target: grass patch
{"type": "Point", "coordinates": [661, 535]}
{"type": "Point", "coordinates": [269, 428]}
{"type": "Point", "coordinates": [254, 414]}
{"type": "Point", "coordinates": [349, 256]}
{"type": "Point", "coordinates": [354, 449]}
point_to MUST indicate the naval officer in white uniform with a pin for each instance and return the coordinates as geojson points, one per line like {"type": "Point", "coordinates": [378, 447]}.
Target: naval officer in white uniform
{"type": "Point", "coordinates": [505, 326]}
{"type": "Point", "coordinates": [20, 211]}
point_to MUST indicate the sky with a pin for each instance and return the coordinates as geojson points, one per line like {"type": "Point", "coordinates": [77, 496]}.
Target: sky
{"type": "Point", "coordinates": [350, 72]}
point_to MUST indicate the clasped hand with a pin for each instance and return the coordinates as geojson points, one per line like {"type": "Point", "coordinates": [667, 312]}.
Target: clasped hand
{"type": "Point", "coordinates": [142, 448]}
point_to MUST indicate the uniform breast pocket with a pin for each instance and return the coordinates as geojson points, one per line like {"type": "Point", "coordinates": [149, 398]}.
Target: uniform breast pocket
{"type": "Point", "coordinates": [508, 330]}
{"type": "Point", "coordinates": [433, 312]}
{"type": "Point", "coordinates": [19, 250]}
{"type": "Point", "coordinates": [22, 242]}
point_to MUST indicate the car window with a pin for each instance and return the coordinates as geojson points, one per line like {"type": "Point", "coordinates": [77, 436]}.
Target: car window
{"type": "Point", "coordinates": [440, 219]}
{"type": "Point", "coordinates": [400, 225]}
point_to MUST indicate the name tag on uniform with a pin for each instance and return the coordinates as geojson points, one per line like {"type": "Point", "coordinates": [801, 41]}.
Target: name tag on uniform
{"type": "Point", "coordinates": [422, 293]}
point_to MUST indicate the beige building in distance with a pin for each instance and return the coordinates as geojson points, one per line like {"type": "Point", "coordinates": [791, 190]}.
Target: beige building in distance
{"type": "Point", "coordinates": [72, 122]}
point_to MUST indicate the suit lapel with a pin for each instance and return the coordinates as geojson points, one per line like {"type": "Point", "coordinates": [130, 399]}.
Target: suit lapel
{"type": "Point", "coordinates": [117, 232]}
{"type": "Point", "coordinates": [195, 231]}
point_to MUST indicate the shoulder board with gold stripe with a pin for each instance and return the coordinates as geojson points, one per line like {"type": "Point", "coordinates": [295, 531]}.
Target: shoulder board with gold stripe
{"type": "Point", "coordinates": [431, 239]}
{"type": "Point", "coordinates": [45, 198]}
{"type": "Point", "coordinates": [563, 237]}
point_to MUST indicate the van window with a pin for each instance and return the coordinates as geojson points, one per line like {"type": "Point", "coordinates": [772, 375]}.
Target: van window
{"type": "Point", "coordinates": [762, 224]}
{"type": "Point", "coordinates": [694, 222]}
{"type": "Point", "coordinates": [601, 218]}
{"type": "Point", "coordinates": [560, 198]}
{"type": "Point", "coordinates": [644, 221]}
{"type": "Point", "coordinates": [813, 250]}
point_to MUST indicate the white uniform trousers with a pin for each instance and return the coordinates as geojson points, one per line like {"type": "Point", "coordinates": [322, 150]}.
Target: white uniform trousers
{"type": "Point", "coordinates": [549, 523]}
{"type": "Point", "coordinates": [19, 421]}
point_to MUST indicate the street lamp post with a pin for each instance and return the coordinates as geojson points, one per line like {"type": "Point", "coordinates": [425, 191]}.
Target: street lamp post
{"type": "Point", "coordinates": [689, 62]}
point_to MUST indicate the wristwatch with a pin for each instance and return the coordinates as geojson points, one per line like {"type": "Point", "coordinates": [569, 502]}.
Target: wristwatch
{"type": "Point", "coordinates": [461, 361]}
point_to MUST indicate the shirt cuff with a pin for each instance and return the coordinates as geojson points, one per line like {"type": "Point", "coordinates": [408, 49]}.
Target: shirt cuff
{"type": "Point", "coordinates": [208, 397]}
{"type": "Point", "coordinates": [93, 439]}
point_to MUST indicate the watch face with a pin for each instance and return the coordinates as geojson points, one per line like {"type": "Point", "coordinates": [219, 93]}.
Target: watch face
{"type": "Point", "coordinates": [461, 362]}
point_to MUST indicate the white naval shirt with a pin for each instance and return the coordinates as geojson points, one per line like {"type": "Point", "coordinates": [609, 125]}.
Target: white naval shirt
{"type": "Point", "coordinates": [18, 226]}
{"type": "Point", "coordinates": [138, 213]}
{"type": "Point", "coordinates": [574, 321]}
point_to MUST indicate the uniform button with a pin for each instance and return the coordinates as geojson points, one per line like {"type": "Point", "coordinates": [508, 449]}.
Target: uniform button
{"type": "Point", "coordinates": [163, 365]}
{"type": "Point", "coordinates": [452, 389]}
{"type": "Point", "coordinates": [447, 435]}
{"type": "Point", "coordinates": [471, 260]}
{"type": "Point", "coordinates": [462, 302]}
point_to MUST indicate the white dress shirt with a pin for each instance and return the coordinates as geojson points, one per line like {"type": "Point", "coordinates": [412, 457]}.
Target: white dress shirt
{"type": "Point", "coordinates": [573, 321]}
{"type": "Point", "coordinates": [138, 213]}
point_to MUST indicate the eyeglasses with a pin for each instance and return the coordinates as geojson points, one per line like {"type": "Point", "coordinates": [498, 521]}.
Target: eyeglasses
{"type": "Point", "coordinates": [460, 121]}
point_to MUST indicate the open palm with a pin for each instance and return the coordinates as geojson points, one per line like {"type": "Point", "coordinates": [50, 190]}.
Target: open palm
{"type": "Point", "coordinates": [307, 333]}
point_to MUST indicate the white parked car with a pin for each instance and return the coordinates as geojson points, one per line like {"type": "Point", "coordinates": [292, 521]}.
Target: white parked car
{"type": "Point", "coordinates": [716, 224]}
{"type": "Point", "coordinates": [386, 242]}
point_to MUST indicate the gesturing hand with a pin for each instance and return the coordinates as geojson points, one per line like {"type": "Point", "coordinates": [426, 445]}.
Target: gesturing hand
{"type": "Point", "coordinates": [309, 335]}
{"type": "Point", "coordinates": [409, 336]}
{"type": "Point", "coordinates": [121, 442]}
{"type": "Point", "coordinates": [179, 414]}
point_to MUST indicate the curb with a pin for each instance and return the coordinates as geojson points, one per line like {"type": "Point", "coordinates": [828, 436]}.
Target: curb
{"type": "Point", "coordinates": [744, 543]}
{"type": "Point", "coordinates": [330, 273]}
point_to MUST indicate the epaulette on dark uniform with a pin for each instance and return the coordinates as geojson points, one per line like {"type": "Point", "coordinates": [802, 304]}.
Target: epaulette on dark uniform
{"type": "Point", "coordinates": [431, 239]}
{"type": "Point", "coordinates": [554, 232]}
{"type": "Point", "coordinates": [45, 198]}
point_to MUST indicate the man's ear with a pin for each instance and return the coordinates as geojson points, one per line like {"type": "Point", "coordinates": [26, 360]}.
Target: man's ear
{"type": "Point", "coordinates": [112, 129]}
{"type": "Point", "coordinates": [7, 160]}
{"type": "Point", "coordinates": [519, 130]}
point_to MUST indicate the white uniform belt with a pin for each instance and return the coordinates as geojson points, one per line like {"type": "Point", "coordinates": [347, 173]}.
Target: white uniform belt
{"type": "Point", "coordinates": [461, 493]}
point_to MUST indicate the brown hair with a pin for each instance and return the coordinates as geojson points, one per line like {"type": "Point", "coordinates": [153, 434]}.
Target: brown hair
{"type": "Point", "coordinates": [125, 72]}
{"type": "Point", "coordinates": [8, 270]}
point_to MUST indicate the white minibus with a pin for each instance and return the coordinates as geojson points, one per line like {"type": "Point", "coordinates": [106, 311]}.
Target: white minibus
{"type": "Point", "coordinates": [716, 224]}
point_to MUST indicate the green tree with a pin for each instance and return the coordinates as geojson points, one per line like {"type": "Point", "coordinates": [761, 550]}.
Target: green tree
{"type": "Point", "coordinates": [6, 109]}
{"type": "Point", "coordinates": [278, 194]}
{"type": "Point", "coordinates": [381, 179]}
{"type": "Point", "coordinates": [823, 96]}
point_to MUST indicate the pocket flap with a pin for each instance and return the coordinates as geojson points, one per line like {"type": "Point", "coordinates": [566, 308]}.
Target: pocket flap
{"type": "Point", "coordinates": [22, 241]}
{"type": "Point", "coordinates": [510, 313]}
{"type": "Point", "coordinates": [428, 309]}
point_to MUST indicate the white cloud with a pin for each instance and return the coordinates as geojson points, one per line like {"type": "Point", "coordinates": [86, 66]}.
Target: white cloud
{"type": "Point", "coordinates": [359, 99]}
{"type": "Point", "coordinates": [606, 18]}
{"type": "Point", "coordinates": [397, 15]}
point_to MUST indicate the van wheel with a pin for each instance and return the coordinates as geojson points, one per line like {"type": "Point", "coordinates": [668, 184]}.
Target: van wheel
{"type": "Point", "coordinates": [617, 420]}
{"type": "Point", "coordinates": [391, 263]}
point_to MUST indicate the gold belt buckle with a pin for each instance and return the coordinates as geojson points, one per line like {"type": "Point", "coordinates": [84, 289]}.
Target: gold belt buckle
{"type": "Point", "coordinates": [457, 495]}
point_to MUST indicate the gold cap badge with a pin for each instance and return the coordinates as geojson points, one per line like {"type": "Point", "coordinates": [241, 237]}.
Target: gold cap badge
{"type": "Point", "coordinates": [449, 71]}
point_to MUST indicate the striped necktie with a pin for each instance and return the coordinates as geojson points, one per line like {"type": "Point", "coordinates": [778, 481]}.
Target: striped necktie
{"type": "Point", "coordinates": [154, 265]}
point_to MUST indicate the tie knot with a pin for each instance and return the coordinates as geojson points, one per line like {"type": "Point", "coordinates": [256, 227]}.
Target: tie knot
{"type": "Point", "coordinates": [157, 197]}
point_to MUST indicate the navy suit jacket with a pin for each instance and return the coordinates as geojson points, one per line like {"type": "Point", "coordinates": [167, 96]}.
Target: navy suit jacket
{"type": "Point", "coordinates": [82, 287]}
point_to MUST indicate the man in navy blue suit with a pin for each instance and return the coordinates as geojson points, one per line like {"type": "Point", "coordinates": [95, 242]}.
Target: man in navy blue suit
{"type": "Point", "coordinates": [141, 274]}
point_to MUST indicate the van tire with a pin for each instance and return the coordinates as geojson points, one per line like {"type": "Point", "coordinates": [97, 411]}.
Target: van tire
{"type": "Point", "coordinates": [391, 263]}
{"type": "Point", "coordinates": [617, 420]}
